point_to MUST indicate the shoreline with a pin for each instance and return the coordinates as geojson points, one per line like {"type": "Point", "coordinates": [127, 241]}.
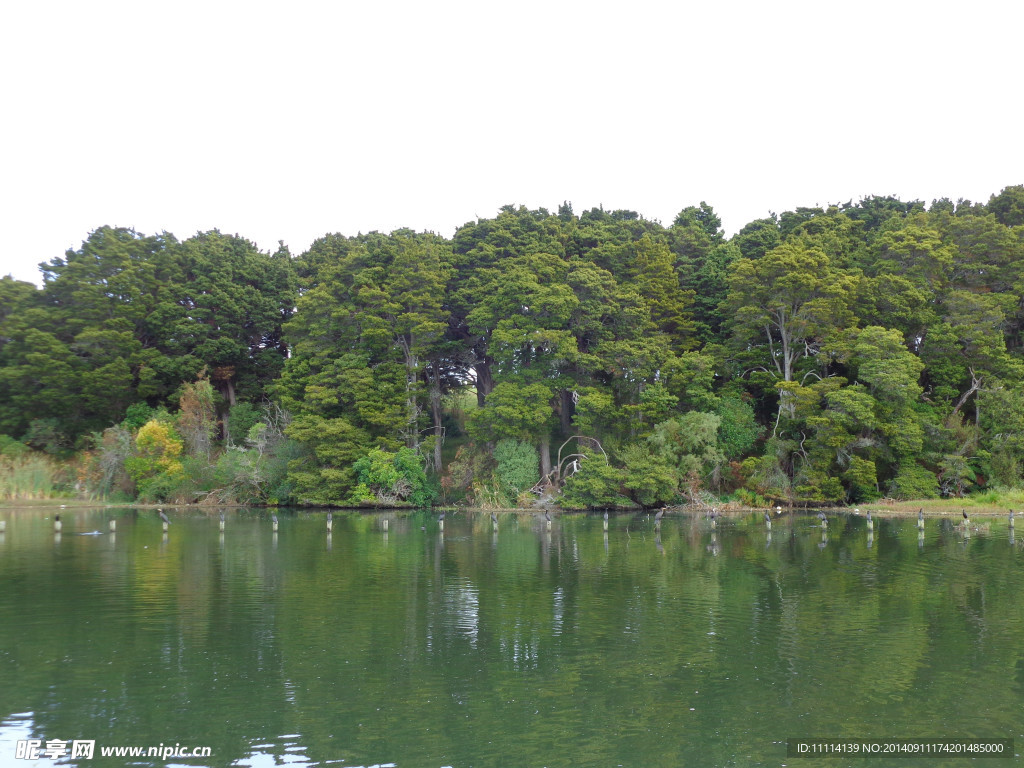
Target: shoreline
{"type": "Point", "coordinates": [895, 509]}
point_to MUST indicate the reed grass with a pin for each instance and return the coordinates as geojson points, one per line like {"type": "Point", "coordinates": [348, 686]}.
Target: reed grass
{"type": "Point", "coordinates": [32, 476]}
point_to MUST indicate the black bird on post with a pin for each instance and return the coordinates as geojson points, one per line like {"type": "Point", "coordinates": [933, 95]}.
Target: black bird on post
{"type": "Point", "coordinates": [273, 519]}
{"type": "Point", "coordinates": [657, 517]}
{"type": "Point", "coordinates": [871, 523]}
{"type": "Point", "coordinates": [920, 519]}
{"type": "Point", "coordinates": [440, 521]}
{"type": "Point", "coordinates": [767, 521]}
{"type": "Point", "coordinates": [163, 517]}
{"type": "Point", "coordinates": [330, 522]}
{"type": "Point", "coordinates": [1011, 518]}
{"type": "Point", "coordinates": [967, 520]}
{"type": "Point", "coordinates": [605, 521]}
{"type": "Point", "coordinates": [824, 520]}
{"type": "Point", "coordinates": [494, 520]}
{"type": "Point", "coordinates": [547, 519]}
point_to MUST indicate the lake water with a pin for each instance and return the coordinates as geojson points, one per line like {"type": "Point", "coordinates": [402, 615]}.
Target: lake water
{"type": "Point", "coordinates": [418, 647]}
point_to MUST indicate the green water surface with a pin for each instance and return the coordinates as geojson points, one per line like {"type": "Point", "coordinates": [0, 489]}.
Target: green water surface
{"type": "Point", "coordinates": [418, 646]}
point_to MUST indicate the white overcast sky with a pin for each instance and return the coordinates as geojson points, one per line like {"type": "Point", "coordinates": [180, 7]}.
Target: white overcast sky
{"type": "Point", "coordinates": [288, 120]}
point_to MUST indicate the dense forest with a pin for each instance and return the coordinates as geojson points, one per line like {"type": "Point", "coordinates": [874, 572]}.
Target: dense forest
{"type": "Point", "coordinates": [822, 355]}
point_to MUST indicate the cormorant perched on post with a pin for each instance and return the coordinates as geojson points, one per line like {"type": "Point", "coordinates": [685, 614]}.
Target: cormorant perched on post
{"type": "Point", "coordinates": [494, 520]}
{"type": "Point", "coordinates": [1011, 518]}
{"type": "Point", "coordinates": [273, 519]}
{"type": "Point", "coordinates": [605, 521]}
{"type": "Point", "coordinates": [714, 517]}
{"type": "Point", "coordinates": [967, 520]}
{"type": "Point", "coordinates": [547, 519]}
{"type": "Point", "coordinates": [222, 520]}
{"type": "Point", "coordinates": [57, 524]}
{"type": "Point", "coordinates": [824, 520]}
{"type": "Point", "coordinates": [767, 521]}
{"type": "Point", "coordinates": [658, 515]}
{"type": "Point", "coordinates": [440, 521]}
{"type": "Point", "coordinates": [871, 523]}
{"type": "Point", "coordinates": [163, 517]}
{"type": "Point", "coordinates": [920, 519]}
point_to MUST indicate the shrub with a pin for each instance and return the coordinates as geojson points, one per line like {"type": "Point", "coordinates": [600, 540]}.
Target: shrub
{"type": "Point", "coordinates": [471, 473]}
{"type": "Point", "coordinates": [649, 477]}
{"type": "Point", "coordinates": [595, 485]}
{"type": "Point", "coordinates": [155, 466]}
{"type": "Point", "coordinates": [862, 478]}
{"type": "Point", "coordinates": [11, 447]}
{"type": "Point", "coordinates": [913, 481]}
{"type": "Point", "coordinates": [197, 416]}
{"type": "Point", "coordinates": [517, 466]}
{"type": "Point", "coordinates": [738, 430]}
{"type": "Point", "coordinates": [390, 478]}
{"type": "Point", "coordinates": [136, 415]}
{"type": "Point", "coordinates": [242, 417]}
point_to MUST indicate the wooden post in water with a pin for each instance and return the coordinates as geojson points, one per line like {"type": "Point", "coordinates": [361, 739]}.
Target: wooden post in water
{"type": "Point", "coordinates": [330, 522]}
{"type": "Point", "coordinates": [57, 524]}
{"type": "Point", "coordinates": [606, 521]}
{"type": "Point", "coordinates": [112, 525]}
{"type": "Point", "coordinates": [164, 520]}
{"type": "Point", "coordinates": [920, 519]}
{"type": "Point", "coordinates": [222, 521]}
{"type": "Point", "coordinates": [273, 521]}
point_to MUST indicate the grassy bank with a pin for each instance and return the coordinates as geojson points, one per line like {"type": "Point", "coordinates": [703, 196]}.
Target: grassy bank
{"type": "Point", "coordinates": [31, 477]}
{"type": "Point", "coordinates": [994, 503]}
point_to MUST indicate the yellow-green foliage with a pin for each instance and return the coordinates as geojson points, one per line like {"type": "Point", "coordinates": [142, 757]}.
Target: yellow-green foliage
{"type": "Point", "coordinates": [31, 476]}
{"type": "Point", "coordinates": [157, 448]}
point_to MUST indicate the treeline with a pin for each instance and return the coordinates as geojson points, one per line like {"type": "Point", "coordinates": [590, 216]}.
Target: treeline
{"type": "Point", "coordinates": [830, 354]}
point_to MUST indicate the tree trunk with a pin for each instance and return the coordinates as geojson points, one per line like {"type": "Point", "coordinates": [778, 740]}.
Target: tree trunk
{"type": "Point", "coordinates": [435, 410]}
{"type": "Point", "coordinates": [975, 386]}
{"type": "Point", "coordinates": [228, 393]}
{"type": "Point", "coordinates": [484, 381]}
{"type": "Point", "coordinates": [545, 457]}
{"type": "Point", "coordinates": [565, 414]}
